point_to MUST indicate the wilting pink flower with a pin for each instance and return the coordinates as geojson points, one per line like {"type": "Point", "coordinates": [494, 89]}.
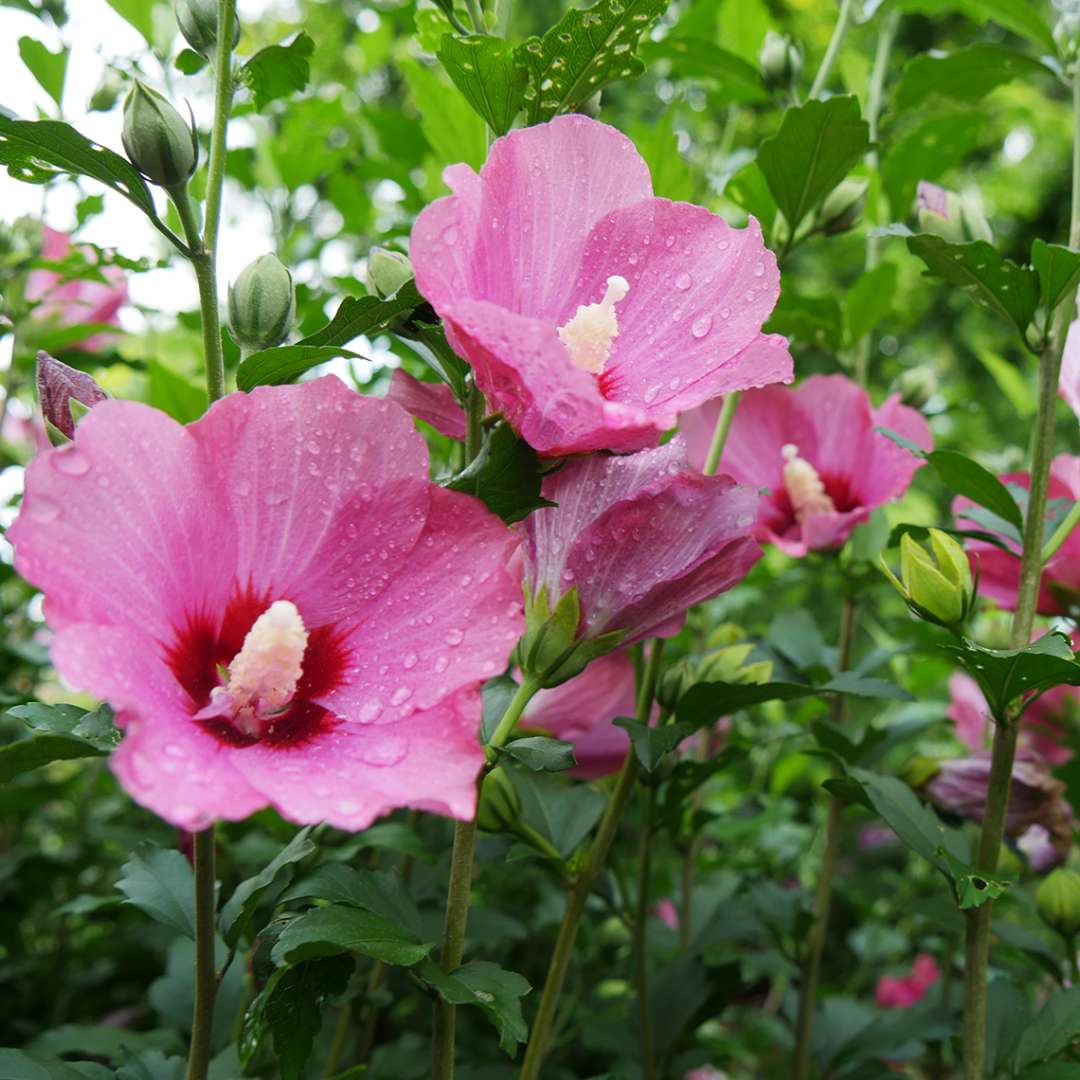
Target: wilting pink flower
{"type": "Point", "coordinates": [642, 538]}
{"type": "Point", "coordinates": [69, 303]}
{"type": "Point", "coordinates": [999, 571]}
{"type": "Point", "coordinates": [582, 709]}
{"type": "Point", "coordinates": [1041, 727]}
{"type": "Point", "coordinates": [902, 992]}
{"type": "Point", "coordinates": [592, 312]}
{"type": "Point", "coordinates": [431, 402]}
{"type": "Point", "coordinates": [1069, 382]}
{"type": "Point", "coordinates": [1035, 796]}
{"type": "Point", "coordinates": [57, 385]}
{"type": "Point", "coordinates": [814, 448]}
{"type": "Point", "coordinates": [281, 606]}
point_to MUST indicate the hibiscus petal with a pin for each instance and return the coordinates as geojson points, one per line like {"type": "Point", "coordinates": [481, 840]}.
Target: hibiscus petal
{"type": "Point", "coordinates": [434, 403]}
{"type": "Point", "coordinates": [1069, 383]}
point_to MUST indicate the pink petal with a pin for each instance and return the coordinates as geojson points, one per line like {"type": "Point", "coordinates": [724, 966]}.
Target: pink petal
{"type": "Point", "coordinates": [516, 235]}
{"type": "Point", "coordinates": [968, 711]}
{"type": "Point", "coordinates": [429, 761]}
{"type": "Point", "coordinates": [433, 403]}
{"type": "Point", "coordinates": [449, 620]}
{"type": "Point", "coordinates": [1069, 383]}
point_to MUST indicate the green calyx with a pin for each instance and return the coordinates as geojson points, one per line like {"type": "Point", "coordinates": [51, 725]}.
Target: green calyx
{"type": "Point", "coordinates": [158, 141]}
{"type": "Point", "coordinates": [937, 584]}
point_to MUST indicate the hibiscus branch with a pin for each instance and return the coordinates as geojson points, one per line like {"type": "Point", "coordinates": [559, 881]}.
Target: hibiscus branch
{"type": "Point", "coordinates": [977, 926]}
{"type": "Point", "coordinates": [202, 1025]}
{"type": "Point", "coordinates": [833, 50]}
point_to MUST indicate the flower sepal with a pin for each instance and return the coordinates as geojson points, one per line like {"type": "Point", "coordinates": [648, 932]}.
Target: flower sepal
{"type": "Point", "coordinates": [937, 586]}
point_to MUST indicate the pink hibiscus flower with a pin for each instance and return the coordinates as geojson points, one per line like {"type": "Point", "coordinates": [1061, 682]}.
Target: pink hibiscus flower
{"type": "Point", "coordinates": [642, 538]}
{"type": "Point", "coordinates": [70, 303]}
{"type": "Point", "coordinates": [281, 606]}
{"type": "Point", "coordinates": [592, 312]}
{"type": "Point", "coordinates": [1069, 382]}
{"type": "Point", "coordinates": [999, 571]}
{"type": "Point", "coordinates": [814, 448]}
{"type": "Point", "coordinates": [431, 402]}
{"type": "Point", "coordinates": [893, 992]}
{"type": "Point", "coordinates": [582, 709]}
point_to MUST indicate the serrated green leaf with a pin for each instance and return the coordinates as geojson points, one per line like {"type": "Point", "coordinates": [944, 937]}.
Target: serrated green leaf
{"type": "Point", "coordinates": [927, 152]}
{"type": "Point", "coordinates": [380, 892]}
{"type": "Point", "coordinates": [563, 814]}
{"type": "Point", "coordinates": [272, 367]}
{"type": "Point", "coordinates": [278, 70]}
{"type": "Point", "coordinates": [541, 753]}
{"type": "Point", "coordinates": [652, 744]}
{"type": "Point", "coordinates": [971, 889]}
{"type": "Point", "coordinates": [488, 72]}
{"type": "Point", "coordinates": [1058, 268]}
{"type": "Point", "coordinates": [326, 931]}
{"type": "Point", "coordinates": [816, 147]}
{"type": "Point", "coordinates": [160, 883]}
{"type": "Point", "coordinates": [61, 733]}
{"type": "Point", "coordinates": [497, 991]}
{"type": "Point", "coordinates": [47, 67]}
{"type": "Point", "coordinates": [584, 52]}
{"type": "Point", "coordinates": [1055, 1026]}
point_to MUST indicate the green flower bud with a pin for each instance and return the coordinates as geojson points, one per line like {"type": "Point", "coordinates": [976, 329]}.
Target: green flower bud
{"type": "Point", "coordinates": [262, 304]}
{"type": "Point", "coordinates": [159, 142]}
{"type": "Point", "coordinates": [976, 227]}
{"type": "Point", "coordinates": [938, 211]}
{"type": "Point", "coordinates": [843, 206]}
{"type": "Point", "coordinates": [674, 682]}
{"type": "Point", "coordinates": [387, 271]}
{"type": "Point", "coordinates": [499, 809]}
{"type": "Point", "coordinates": [107, 92]}
{"type": "Point", "coordinates": [780, 61]}
{"type": "Point", "coordinates": [1067, 34]}
{"type": "Point", "coordinates": [940, 591]}
{"type": "Point", "coordinates": [1058, 901]}
{"type": "Point", "coordinates": [198, 21]}
{"type": "Point", "coordinates": [916, 386]}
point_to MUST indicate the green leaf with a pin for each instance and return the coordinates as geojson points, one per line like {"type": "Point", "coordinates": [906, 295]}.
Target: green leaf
{"type": "Point", "coordinates": [750, 190]}
{"type": "Point", "coordinates": [497, 694]}
{"type": "Point", "coordinates": [1055, 1026]}
{"type": "Point", "coordinates": [160, 883]}
{"type": "Point", "coordinates": [62, 733]}
{"type": "Point", "coordinates": [658, 144]}
{"type": "Point", "coordinates": [563, 814]}
{"type": "Point", "coordinates": [967, 477]}
{"type": "Point", "coordinates": [453, 130]}
{"type": "Point", "coordinates": [1011, 381]}
{"type": "Point", "coordinates": [278, 70]}
{"type": "Point", "coordinates": [366, 315]}
{"type": "Point", "coordinates": [922, 534]}
{"type": "Point", "coordinates": [151, 1065]}
{"type": "Point", "coordinates": [102, 1041]}
{"type": "Point", "coordinates": [1019, 16]}
{"type": "Point", "coordinates": [497, 991]}
{"type": "Point", "coordinates": [138, 13]}
{"type": "Point", "coordinates": [173, 394]}
{"type": "Point", "coordinates": [47, 67]}
{"type": "Point", "coordinates": [693, 57]}
{"type": "Point", "coordinates": [1007, 674]}
{"type": "Point", "coordinates": [993, 281]}
{"type": "Point", "coordinates": [505, 475]}
{"type": "Point", "coordinates": [380, 892]}
{"type": "Point", "coordinates": [1058, 268]}
{"type": "Point", "coordinates": [21, 1065]}
{"type": "Point", "coordinates": [541, 753]}
{"type": "Point", "coordinates": [36, 150]}
{"type": "Point", "coordinates": [236, 914]}
{"type": "Point", "coordinates": [490, 75]}
{"type": "Point", "coordinates": [326, 931]}
{"type": "Point", "coordinates": [971, 889]}
{"type": "Point", "coordinates": [816, 147]}
{"type": "Point", "coordinates": [834, 739]}
{"type": "Point", "coordinates": [815, 320]}
{"type": "Point", "coordinates": [965, 75]}
{"type": "Point", "coordinates": [652, 744]}
{"type": "Point", "coordinates": [869, 300]}
{"type": "Point", "coordinates": [584, 52]}
{"type": "Point", "coordinates": [926, 153]}
{"type": "Point", "coordinates": [271, 367]}
{"type": "Point", "coordinates": [189, 62]}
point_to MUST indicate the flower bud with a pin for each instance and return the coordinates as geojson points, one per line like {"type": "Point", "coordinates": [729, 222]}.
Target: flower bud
{"type": "Point", "coordinates": [262, 304]}
{"type": "Point", "coordinates": [916, 386]}
{"type": "Point", "coordinates": [159, 142]}
{"type": "Point", "coordinates": [1058, 901]}
{"type": "Point", "coordinates": [843, 206]}
{"type": "Point", "coordinates": [387, 271]}
{"type": "Point", "coordinates": [107, 93]}
{"type": "Point", "coordinates": [499, 809]}
{"type": "Point", "coordinates": [61, 391]}
{"type": "Point", "coordinates": [938, 211]}
{"type": "Point", "coordinates": [941, 592]}
{"type": "Point", "coordinates": [1067, 34]}
{"type": "Point", "coordinates": [976, 227]}
{"type": "Point", "coordinates": [780, 61]}
{"type": "Point", "coordinates": [198, 21]}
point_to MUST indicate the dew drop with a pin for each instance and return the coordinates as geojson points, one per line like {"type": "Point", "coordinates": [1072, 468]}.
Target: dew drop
{"type": "Point", "coordinates": [388, 750]}
{"type": "Point", "coordinates": [683, 282]}
{"type": "Point", "coordinates": [449, 235]}
{"type": "Point", "coordinates": [409, 661]}
{"type": "Point", "coordinates": [43, 510]}
{"type": "Point", "coordinates": [455, 636]}
{"type": "Point", "coordinates": [400, 696]}
{"type": "Point", "coordinates": [701, 327]}
{"type": "Point", "coordinates": [70, 462]}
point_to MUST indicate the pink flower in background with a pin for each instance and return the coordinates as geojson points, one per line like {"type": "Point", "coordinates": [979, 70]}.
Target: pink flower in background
{"type": "Point", "coordinates": [1069, 382]}
{"type": "Point", "coordinates": [69, 303]}
{"type": "Point", "coordinates": [431, 402]}
{"type": "Point", "coordinates": [814, 447]}
{"type": "Point", "coordinates": [592, 312]}
{"type": "Point", "coordinates": [705, 1072]}
{"type": "Point", "coordinates": [281, 606]}
{"type": "Point", "coordinates": [666, 911]}
{"type": "Point", "coordinates": [999, 571]}
{"type": "Point", "coordinates": [1041, 727]}
{"type": "Point", "coordinates": [902, 992]}
{"type": "Point", "coordinates": [582, 709]}
{"type": "Point", "coordinates": [642, 538]}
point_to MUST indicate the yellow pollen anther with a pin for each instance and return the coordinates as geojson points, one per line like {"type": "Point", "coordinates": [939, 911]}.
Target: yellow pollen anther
{"type": "Point", "coordinates": [589, 333]}
{"type": "Point", "coordinates": [264, 674]}
{"type": "Point", "coordinates": [804, 487]}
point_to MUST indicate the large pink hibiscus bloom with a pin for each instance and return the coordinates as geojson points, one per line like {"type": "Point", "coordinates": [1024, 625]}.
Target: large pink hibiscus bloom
{"type": "Point", "coordinates": [281, 606]}
{"type": "Point", "coordinates": [814, 448]}
{"type": "Point", "coordinates": [999, 571]}
{"type": "Point", "coordinates": [642, 538]}
{"type": "Point", "coordinates": [592, 312]}
{"type": "Point", "coordinates": [70, 303]}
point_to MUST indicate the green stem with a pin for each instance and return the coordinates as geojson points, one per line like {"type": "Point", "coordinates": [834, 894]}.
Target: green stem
{"type": "Point", "coordinates": [720, 433]}
{"type": "Point", "coordinates": [474, 416]}
{"type": "Point", "coordinates": [977, 922]}
{"type": "Point", "coordinates": [1061, 533]}
{"type": "Point", "coordinates": [640, 937]}
{"type": "Point", "coordinates": [457, 899]}
{"type": "Point", "coordinates": [337, 1047]}
{"type": "Point", "coordinates": [202, 1021]}
{"type": "Point", "coordinates": [540, 1035]}
{"type": "Point", "coordinates": [476, 16]}
{"type": "Point", "coordinates": [819, 927]}
{"type": "Point", "coordinates": [833, 51]}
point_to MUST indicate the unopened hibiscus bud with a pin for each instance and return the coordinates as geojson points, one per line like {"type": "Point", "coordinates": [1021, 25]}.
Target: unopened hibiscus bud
{"type": "Point", "coordinates": [159, 142]}
{"type": "Point", "coordinates": [780, 61]}
{"type": "Point", "coordinates": [727, 664]}
{"type": "Point", "coordinates": [198, 21]}
{"type": "Point", "coordinates": [938, 587]}
{"type": "Point", "coordinates": [1067, 34]}
{"type": "Point", "coordinates": [262, 304]}
{"type": "Point", "coordinates": [107, 93]}
{"type": "Point", "coordinates": [843, 206]}
{"type": "Point", "coordinates": [938, 211]}
{"type": "Point", "coordinates": [63, 391]}
{"type": "Point", "coordinates": [499, 809]}
{"type": "Point", "coordinates": [1058, 901]}
{"type": "Point", "coordinates": [916, 386]}
{"type": "Point", "coordinates": [387, 271]}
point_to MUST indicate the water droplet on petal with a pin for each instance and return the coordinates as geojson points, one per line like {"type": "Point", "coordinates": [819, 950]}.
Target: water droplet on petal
{"type": "Point", "coordinates": [449, 235]}
{"type": "Point", "coordinates": [42, 509]}
{"type": "Point", "coordinates": [701, 326]}
{"type": "Point", "coordinates": [384, 751]}
{"type": "Point", "coordinates": [70, 462]}
{"type": "Point", "coordinates": [683, 282]}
